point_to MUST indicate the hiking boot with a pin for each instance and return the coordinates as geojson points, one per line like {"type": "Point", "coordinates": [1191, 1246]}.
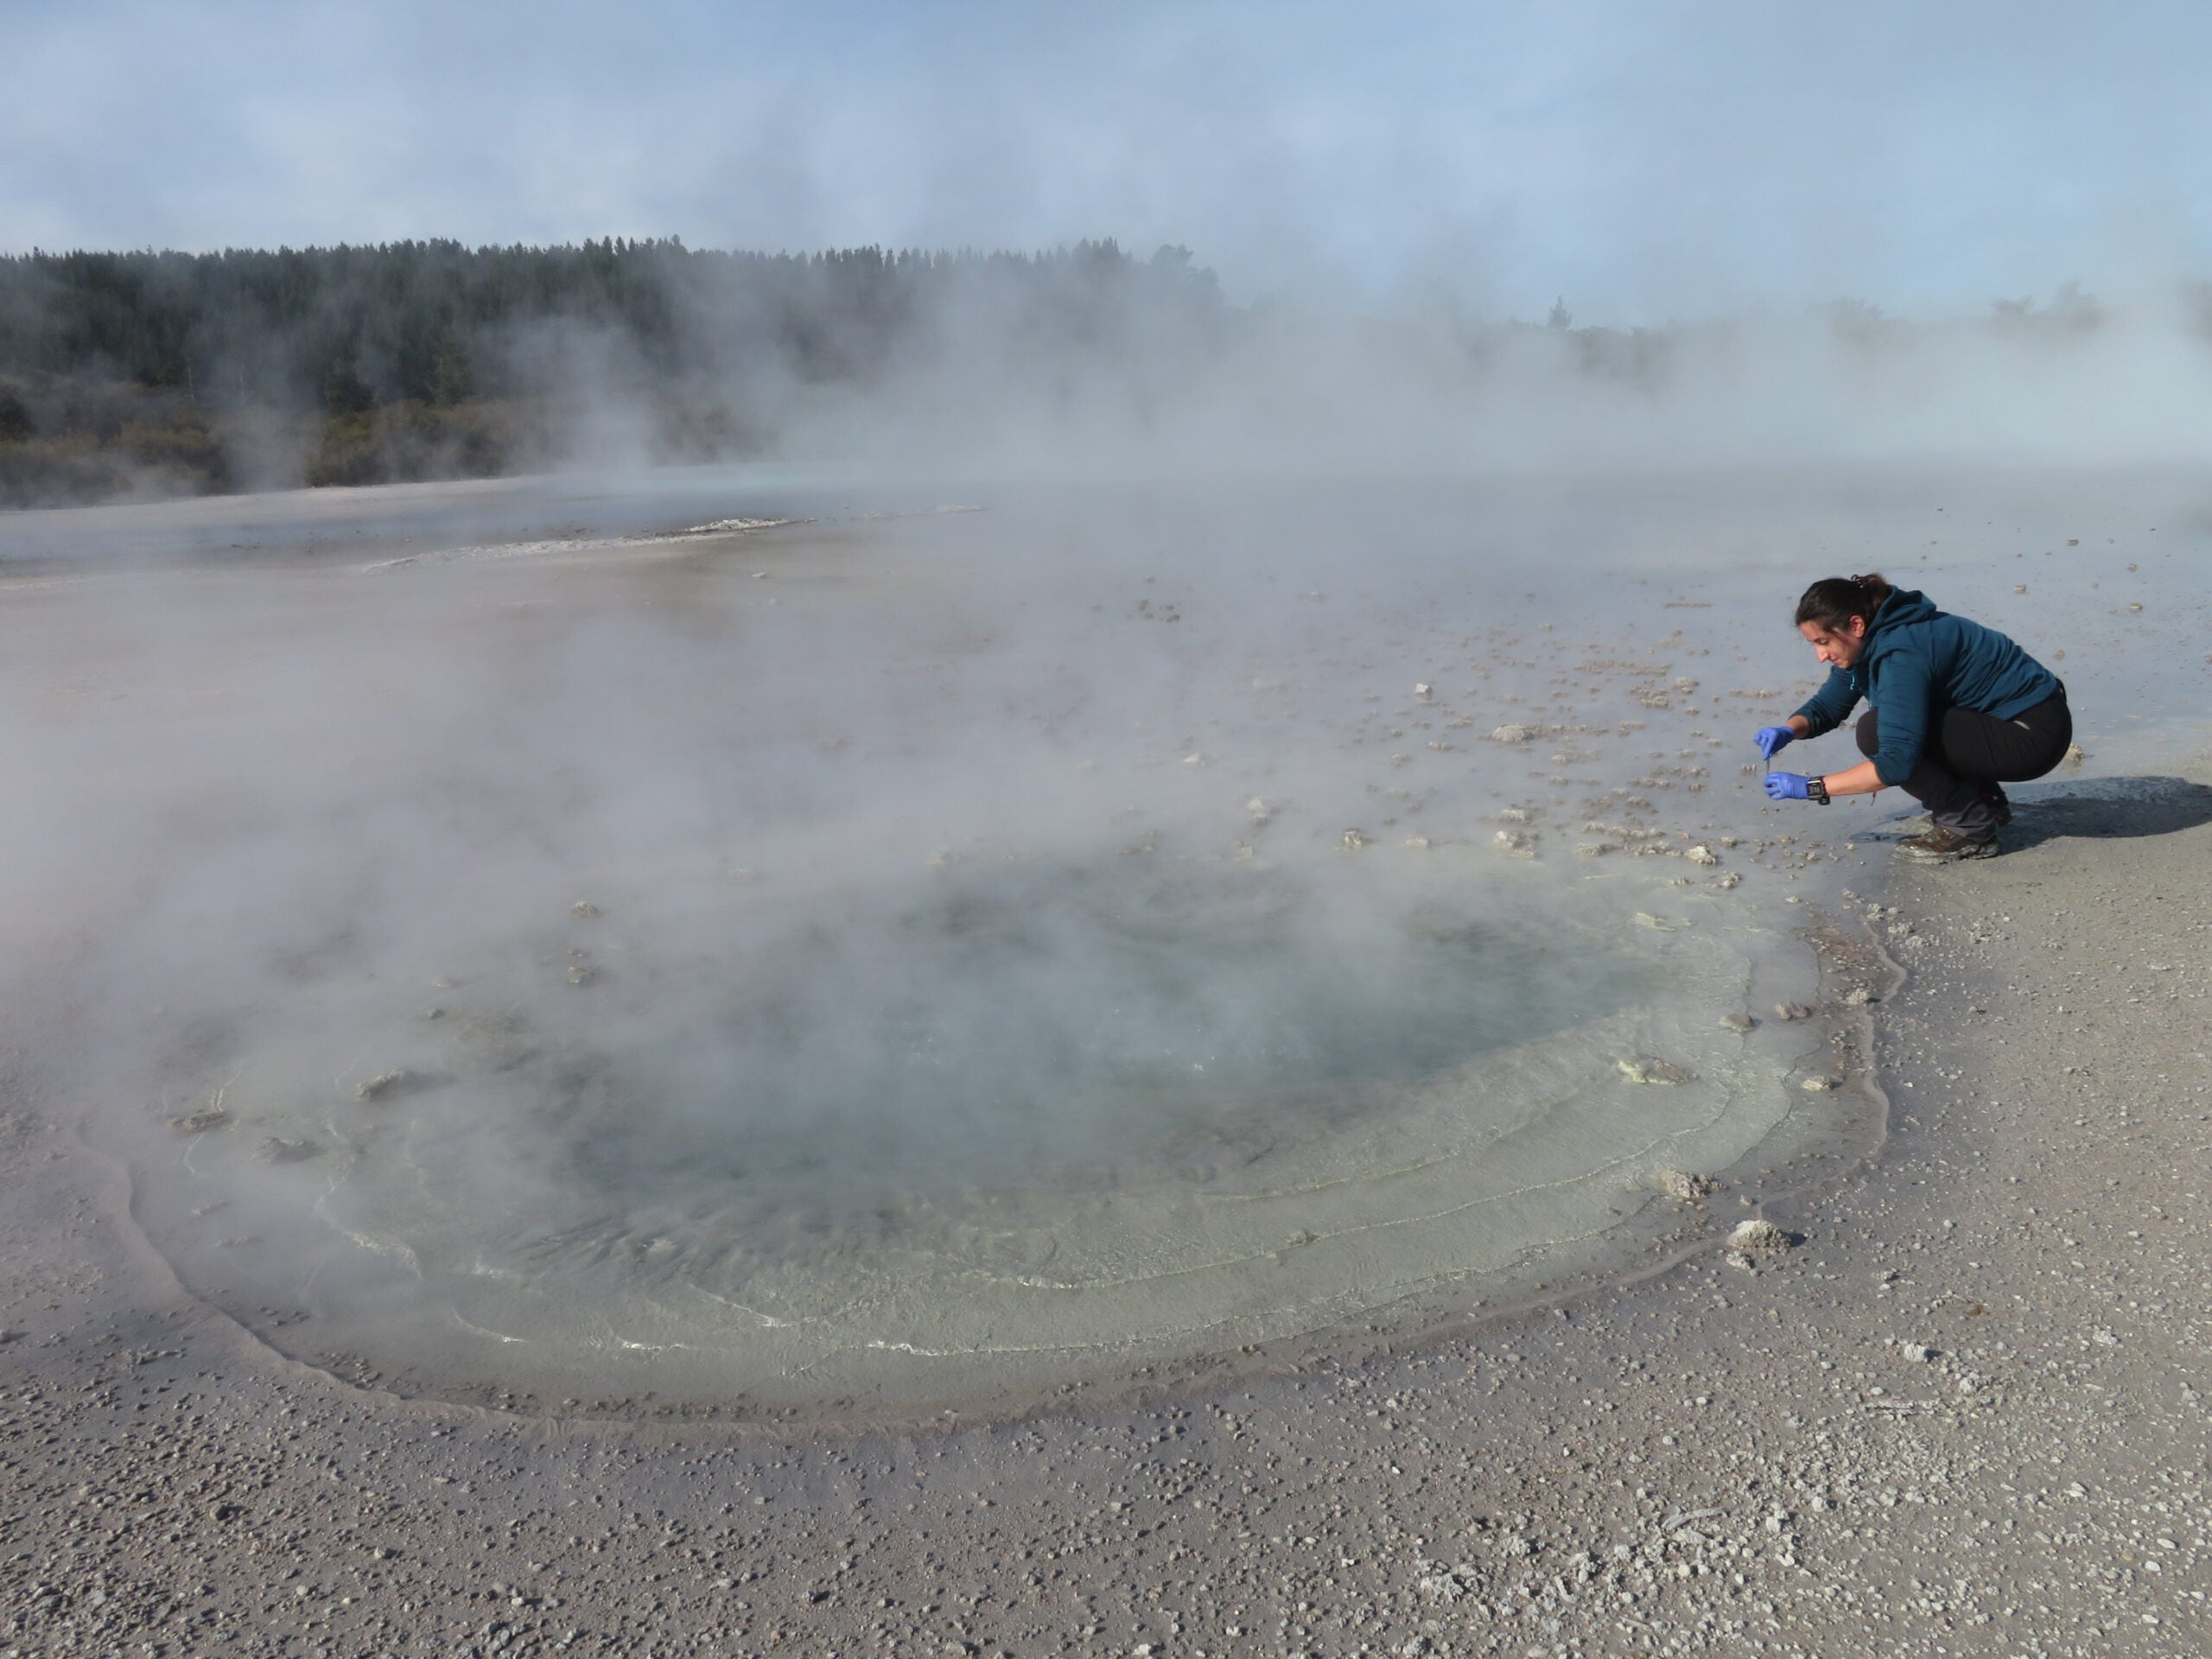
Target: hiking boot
{"type": "Point", "coordinates": [1943, 846]}
{"type": "Point", "coordinates": [1999, 805]}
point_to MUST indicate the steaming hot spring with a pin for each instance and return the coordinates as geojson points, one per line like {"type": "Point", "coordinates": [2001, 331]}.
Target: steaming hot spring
{"type": "Point", "coordinates": [886, 964]}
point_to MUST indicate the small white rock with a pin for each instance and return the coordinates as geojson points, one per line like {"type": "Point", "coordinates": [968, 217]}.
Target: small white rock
{"type": "Point", "coordinates": [1645, 1068]}
{"type": "Point", "coordinates": [1757, 1233]}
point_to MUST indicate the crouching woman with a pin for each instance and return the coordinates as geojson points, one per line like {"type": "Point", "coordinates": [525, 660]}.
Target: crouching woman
{"type": "Point", "coordinates": [1955, 712]}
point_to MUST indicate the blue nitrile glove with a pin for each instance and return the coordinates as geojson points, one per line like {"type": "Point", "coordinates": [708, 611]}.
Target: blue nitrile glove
{"type": "Point", "coordinates": [1771, 738]}
{"type": "Point", "coordinates": [1787, 786]}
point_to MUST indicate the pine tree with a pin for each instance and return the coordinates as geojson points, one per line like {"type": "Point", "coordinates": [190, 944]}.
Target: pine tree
{"type": "Point", "coordinates": [454, 383]}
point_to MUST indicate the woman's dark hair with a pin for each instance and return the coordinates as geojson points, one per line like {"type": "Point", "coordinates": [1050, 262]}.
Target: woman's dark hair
{"type": "Point", "coordinates": [1834, 600]}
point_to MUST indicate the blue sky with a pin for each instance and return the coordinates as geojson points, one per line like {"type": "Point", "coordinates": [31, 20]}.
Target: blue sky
{"type": "Point", "coordinates": [1649, 160]}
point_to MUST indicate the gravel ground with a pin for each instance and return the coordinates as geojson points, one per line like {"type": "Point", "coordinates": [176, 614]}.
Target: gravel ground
{"type": "Point", "coordinates": [1966, 1414]}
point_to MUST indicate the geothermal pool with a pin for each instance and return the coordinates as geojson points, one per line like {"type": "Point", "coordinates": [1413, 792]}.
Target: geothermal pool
{"type": "Point", "coordinates": [907, 957]}
{"type": "Point", "coordinates": [973, 1134]}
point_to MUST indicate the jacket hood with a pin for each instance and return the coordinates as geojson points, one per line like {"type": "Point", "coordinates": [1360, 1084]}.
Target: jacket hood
{"type": "Point", "coordinates": [1904, 607]}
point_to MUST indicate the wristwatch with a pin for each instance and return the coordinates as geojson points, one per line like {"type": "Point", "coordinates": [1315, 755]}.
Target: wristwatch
{"type": "Point", "coordinates": [1816, 789]}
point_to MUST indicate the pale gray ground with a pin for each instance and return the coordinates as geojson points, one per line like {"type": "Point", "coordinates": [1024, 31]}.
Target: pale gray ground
{"type": "Point", "coordinates": [1966, 1415]}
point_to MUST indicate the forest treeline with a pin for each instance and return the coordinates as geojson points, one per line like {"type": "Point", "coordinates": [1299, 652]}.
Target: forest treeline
{"type": "Point", "coordinates": [162, 373]}
{"type": "Point", "coordinates": [179, 371]}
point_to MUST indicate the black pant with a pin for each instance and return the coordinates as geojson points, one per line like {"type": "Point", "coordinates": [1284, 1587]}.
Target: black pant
{"type": "Point", "coordinates": [1967, 755]}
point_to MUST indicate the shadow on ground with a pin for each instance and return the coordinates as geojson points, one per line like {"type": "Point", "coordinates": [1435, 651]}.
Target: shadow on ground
{"type": "Point", "coordinates": [2088, 809]}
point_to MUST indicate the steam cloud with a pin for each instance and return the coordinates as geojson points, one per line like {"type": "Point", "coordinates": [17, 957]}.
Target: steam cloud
{"type": "Point", "coordinates": [1082, 364]}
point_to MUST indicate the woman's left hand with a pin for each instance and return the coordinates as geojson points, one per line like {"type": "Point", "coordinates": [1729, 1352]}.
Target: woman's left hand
{"type": "Point", "coordinates": [1787, 786]}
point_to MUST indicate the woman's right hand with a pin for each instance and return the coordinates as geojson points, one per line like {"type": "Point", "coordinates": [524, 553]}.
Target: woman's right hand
{"type": "Point", "coordinates": [1773, 738]}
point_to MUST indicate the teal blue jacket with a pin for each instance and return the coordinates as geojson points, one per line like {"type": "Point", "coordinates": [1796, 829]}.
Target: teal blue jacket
{"type": "Point", "coordinates": [1918, 662]}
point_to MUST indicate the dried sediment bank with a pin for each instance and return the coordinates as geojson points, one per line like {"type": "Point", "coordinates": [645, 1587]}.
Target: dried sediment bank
{"type": "Point", "coordinates": [1966, 1414]}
